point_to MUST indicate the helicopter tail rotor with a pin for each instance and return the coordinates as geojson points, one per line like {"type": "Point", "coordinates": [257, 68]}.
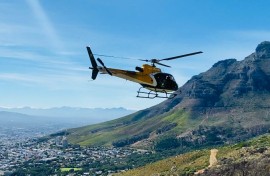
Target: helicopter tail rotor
{"type": "Point", "coordinates": [93, 62]}
{"type": "Point", "coordinates": [108, 71]}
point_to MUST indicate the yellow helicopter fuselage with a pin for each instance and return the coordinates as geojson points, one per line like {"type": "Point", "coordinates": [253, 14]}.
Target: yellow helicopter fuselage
{"type": "Point", "coordinates": [144, 76]}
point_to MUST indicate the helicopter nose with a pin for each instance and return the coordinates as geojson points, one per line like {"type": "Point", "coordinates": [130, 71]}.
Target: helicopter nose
{"type": "Point", "coordinates": [173, 86]}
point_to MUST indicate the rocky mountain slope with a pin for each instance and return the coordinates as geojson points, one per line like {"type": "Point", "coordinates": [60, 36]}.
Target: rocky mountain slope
{"type": "Point", "coordinates": [227, 103]}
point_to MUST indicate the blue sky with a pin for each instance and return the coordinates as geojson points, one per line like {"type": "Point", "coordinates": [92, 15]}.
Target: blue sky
{"type": "Point", "coordinates": [44, 63]}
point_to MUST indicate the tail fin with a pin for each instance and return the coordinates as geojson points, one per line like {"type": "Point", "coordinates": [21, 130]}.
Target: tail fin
{"type": "Point", "coordinates": [93, 62]}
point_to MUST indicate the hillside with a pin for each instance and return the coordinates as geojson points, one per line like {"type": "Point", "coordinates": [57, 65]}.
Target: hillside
{"type": "Point", "coordinates": [246, 158]}
{"type": "Point", "coordinates": [228, 103]}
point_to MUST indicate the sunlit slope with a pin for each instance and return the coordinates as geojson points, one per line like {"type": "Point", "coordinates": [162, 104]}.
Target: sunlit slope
{"type": "Point", "coordinates": [127, 127]}
{"type": "Point", "coordinates": [252, 155]}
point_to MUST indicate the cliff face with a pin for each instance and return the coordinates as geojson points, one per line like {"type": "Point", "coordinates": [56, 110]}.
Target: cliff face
{"type": "Point", "coordinates": [228, 80]}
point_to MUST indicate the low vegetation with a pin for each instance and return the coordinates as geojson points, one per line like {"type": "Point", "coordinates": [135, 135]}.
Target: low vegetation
{"type": "Point", "coordinates": [70, 169]}
{"type": "Point", "coordinates": [230, 156]}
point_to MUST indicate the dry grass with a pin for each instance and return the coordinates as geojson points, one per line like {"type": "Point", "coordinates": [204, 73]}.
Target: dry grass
{"type": "Point", "coordinates": [189, 163]}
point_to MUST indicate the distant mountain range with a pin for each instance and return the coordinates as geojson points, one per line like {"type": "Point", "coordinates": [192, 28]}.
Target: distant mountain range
{"type": "Point", "coordinates": [17, 120]}
{"type": "Point", "coordinates": [227, 103]}
{"type": "Point", "coordinates": [70, 111]}
{"type": "Point", "coordinates": [66, 116]}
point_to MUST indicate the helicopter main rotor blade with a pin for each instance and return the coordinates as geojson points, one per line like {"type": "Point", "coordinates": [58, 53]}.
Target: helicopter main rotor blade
{"type": "Point", "coordinates": [162, 64]}
{"type": "Point", "coordinates": [145, 60]}
{"type": "Point", "coordinates": [108, 71]}
{"type": "Point", "coordinates": [184, 55]}
{"type": "Point", "coordinates": [119, 57]}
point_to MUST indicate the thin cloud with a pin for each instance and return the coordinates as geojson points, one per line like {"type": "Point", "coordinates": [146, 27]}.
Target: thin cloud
{"type": "Point", "coordinates": [51, 81]}
{"type": "Point", "coordinates": [18, 35]}
{"type": "Point", "coordinates": [15, 77]}
{"type": "Point", "coordinates": [41, 61]}
{"type": "Point", "coordinates": [45, 23]}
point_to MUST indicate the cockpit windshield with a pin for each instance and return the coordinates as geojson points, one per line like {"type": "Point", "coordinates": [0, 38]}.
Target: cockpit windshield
{"type": "Point", "coordinates": [170, 77]}
{"type": "Point", "coordinates": [165, 81]}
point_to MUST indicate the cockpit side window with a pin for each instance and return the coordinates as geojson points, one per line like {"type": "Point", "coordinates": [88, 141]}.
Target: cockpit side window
{"type": "Point", "coordinates": [172, 78]}
{"type": "Point", "coordinates": [169, 77]}
{"type": "Point", "coordinates": [139, 69]}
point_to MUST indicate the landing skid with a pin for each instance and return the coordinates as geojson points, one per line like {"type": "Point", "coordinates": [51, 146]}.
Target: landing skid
{"type": "Point", "coordinates": [154, 94]}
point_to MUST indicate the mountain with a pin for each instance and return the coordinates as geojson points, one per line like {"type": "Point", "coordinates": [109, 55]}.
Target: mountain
{"type": "Point", "coordinates": [11, 119]}
{"type": "Point", "coordinates": [228, 103]}
{"type": "Point", "coordinates": [17, 124]}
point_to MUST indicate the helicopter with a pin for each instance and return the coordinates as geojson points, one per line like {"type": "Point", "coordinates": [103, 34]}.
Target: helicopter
{"type": "Point", "coordinates": [155, 83]}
